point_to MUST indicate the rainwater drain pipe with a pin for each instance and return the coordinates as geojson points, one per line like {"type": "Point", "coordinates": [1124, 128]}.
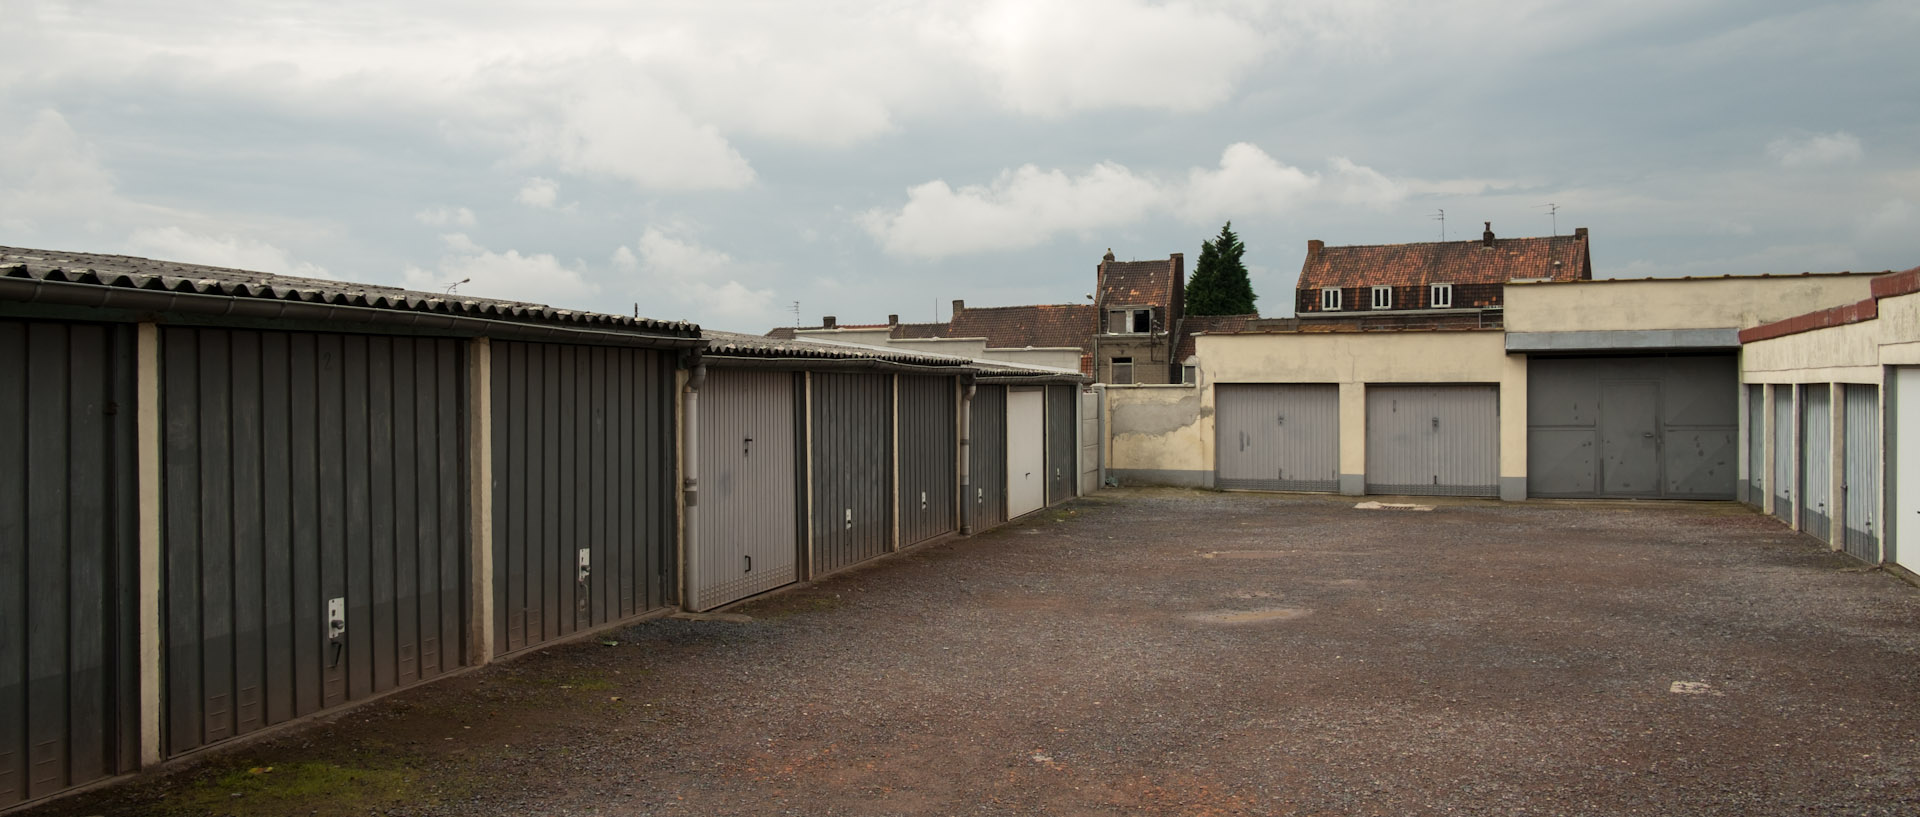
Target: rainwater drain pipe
{"type": "Point", "coordinates": [690, 481]}
{"type": "Point", "coordinates": [966, 455]}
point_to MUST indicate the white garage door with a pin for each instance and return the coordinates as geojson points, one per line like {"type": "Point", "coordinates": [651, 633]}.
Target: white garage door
{"type": "Point", "coordinates": [1026, 452]}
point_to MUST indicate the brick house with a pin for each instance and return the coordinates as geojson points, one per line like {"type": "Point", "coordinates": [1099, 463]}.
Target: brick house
{"type": "Point", "coordinates": [1433, 284]}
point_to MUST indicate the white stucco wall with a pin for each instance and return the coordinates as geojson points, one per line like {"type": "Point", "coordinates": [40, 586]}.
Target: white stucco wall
{"type": "Point", "coordinates": [1676, 303]}
{"type": "Point", "coordinates": [1852, 353]}
{"type": "Point", "coordinates": [1059, 358]}
{"type": "Point", "coordinates": [1154, 435]}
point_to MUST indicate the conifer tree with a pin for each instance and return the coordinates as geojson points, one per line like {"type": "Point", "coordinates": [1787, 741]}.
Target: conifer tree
{"type": "Point", "coordinates": [1219, 285]}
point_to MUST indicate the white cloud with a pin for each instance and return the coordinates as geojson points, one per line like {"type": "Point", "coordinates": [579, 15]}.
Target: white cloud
{"type": "Point", "coordinates": [445, 216]}
{"type": "Point", "coordinates": [1818, 150]}
{"type": "Point", "coordinates": [235, 252]}
{"type": "Point", "coordinates": [478, 271]}
{"type": "Point", "coordinates": [540, 192]}
{"type": "Point", "coordinates": [1025, 207]}
{"type": "Point", "coordinates": [633, 131]}
{"type": "Point", "coordinates": [699, 280]}
{"type": "Point", "coordinates": [1019, 209]}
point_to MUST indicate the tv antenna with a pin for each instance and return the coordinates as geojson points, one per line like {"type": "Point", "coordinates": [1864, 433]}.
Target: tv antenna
{"type": "Point", "coordinates": [1441, 216]}
{"type": "Point", "coordinates": [1553, 212]}
{"type": "Point", "coordinates": [795, 309]}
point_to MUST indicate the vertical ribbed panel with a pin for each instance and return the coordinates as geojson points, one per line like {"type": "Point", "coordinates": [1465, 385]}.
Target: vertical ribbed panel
{"type": "Point", "coordinates": [1783, 452]}
{"type": "Point", "coordinates": [68, 671]}
{"type": "Point", "coordinates": [1816, 460]}
{"type": "Point", "coordinates": [986, 500]}
{"type": "Point", "coordinates": [747, 539]}
{"type": "Point", "coordinates": [852, 468]}
{"type": "Point", "coordinates": [299, 468]}
{"type": "Point", "coordinates": [1433, 440]}
{"type": "Point", "coordinates": [1277, 437]}
{"type": "Point", "coordinates": [929, 464]}
{"type": "Point", "coordinates": [1026, 451]}
{"type": "Point", "coordinates": [1656, 426]}
{"type": "Point", "coordinates": [1861, 413]}
{"type": "Point", "coordinates": [583, 458]}
{"type": "Point", "coordinates": [1063, 418]}
{"type": "Point", "coordinates": [1757, 445]}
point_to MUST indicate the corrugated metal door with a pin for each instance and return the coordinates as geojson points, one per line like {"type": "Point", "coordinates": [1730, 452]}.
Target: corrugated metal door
{"type": "Point", "coordinates": [1433, 440]}
{"type": "Point", "coordinates": [1277, 437]}
{"type": "Point", "coordinates": [852, 416]}
{"type": "Point", "coordinates": [1783, 463]}
{"type": "Point", "coordinates": [929, 462]}
{"type": "Point", "coordinates": [1757, 445]}
{"type": "Point", "coordinates": [1650, 427]}
{"type": "Point", "coordinates": [1904, 432]}
{"type": "Point", "coordinates": [1026, 452]}
{"type": "Point", "coordinates": [1063, 414]}
{"type": "Point", "coordinates": [987, 506]}
{"type": "Point", "coordinates": [1861, 431]}
{"type": "Point", "coordinates": [298, 469]}
{"type": "Point", "coordinates": [68, 549]}
{"type": "Point", "coordinates": [584, 525]}
{"type": "Point", "coordinates": [748, 540]}
{"type": "Point", "coordinates": [1816, 460]}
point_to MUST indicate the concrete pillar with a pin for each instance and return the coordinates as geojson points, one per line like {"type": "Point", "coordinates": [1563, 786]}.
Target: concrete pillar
{"type": "Point", "coordinates": [480, 502]}
{"type": "Point", "coordinates": [1353, 439]}
{"type": "Point", "coordinates": [1513, 428]}
{"type": "Point", "coordinates": [1837, 466]}
{"type": "Point", "coordinates": [147, 457]}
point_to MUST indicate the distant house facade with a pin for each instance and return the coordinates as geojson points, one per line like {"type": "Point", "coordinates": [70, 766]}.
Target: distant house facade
{"type": "Point", "coordinates": [1444, 284]}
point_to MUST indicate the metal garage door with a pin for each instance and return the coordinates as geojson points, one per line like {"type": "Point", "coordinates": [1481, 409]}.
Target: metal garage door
{"type": "Point", "coordinates": [852, 469]}
{"type": "Point", "coordinates": [1277, 437]}
{"type": "Point", "coordinates": [1783, 445]}
{"type": "Point", "coordinates": [307, 475]}
{"type": "Point", "coordinates": [1433, 440]}
{"type": "Point", "coordinates": [1026, 452]}
{"type": "Point", "coordinates": [1816, 460]}
{"type": "Point", "coordinates": [1861, 504]}
{"type": "Point", "coordinates": [583, 468]}
{"type": "Point", "coordinates": [1063, 462]}
{"type": "Point", "coordinates": [1757, 445]}
{"type": "Point", "coordinates": [68, 660]}
{"type": "Point", "coordinates": [1904, 433]}
{"type": "Point", "coordinates": [987, 501]}
{"type": "Point", "coordinates": [749, 506]}
{"type": "Point", "coordinates": [1647, 427]}
{"type": "Point", "coordinates": [929, 464]}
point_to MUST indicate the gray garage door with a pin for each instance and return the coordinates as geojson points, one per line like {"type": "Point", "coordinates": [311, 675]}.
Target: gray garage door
{"type": "Point", "coordinates": [1862, 458]}
{"type": "Point", "coordinates": [929, 457]}
{"type": "Point", "coordinates": [1816, 462]}
{"type": "Point", "coordinates": [1063, 445]}
{"type": "Point", "coordinates": [1663, 427]}
{"type": "Point", "coordinates": [1783, 451]}
{"type": "Point", "coordinates": [749, 506]}
{"type": "Point", "coordinates": [986, 503]}
{"type": "Point", "coordinates": [67, 554]}
{"type": "Point", "coordinates": [1757, 445]}
{"type": "Point", "coordinates": [852, 469]}
{"type": "Point", "coordinates": [1433, 440]}
{"type": "Point", "coordinates": [1277, 437]}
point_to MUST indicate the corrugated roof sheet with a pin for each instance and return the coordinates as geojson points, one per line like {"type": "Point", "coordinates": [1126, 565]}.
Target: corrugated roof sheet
{"type": "Point", "coordinates": [1447, 262]}
{"type": "Point", "coordinates": [734, 344]}
{"type": "Point", "coordinates": [195, 279]}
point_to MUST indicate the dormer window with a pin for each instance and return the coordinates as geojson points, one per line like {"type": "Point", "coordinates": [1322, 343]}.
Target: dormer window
{"type": "Point", "coordinates": [1383, 297]}
{"type": "Point", "coordinates": [1440, 296]}
{"type": "Point", "coordinates": [1129, 321]}
{"type": "Point", "coordinates": [1330, 299]}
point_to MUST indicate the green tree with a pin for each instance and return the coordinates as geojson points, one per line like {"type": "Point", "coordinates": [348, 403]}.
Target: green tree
{"type": "Point", "coordinates": [1219, 285]}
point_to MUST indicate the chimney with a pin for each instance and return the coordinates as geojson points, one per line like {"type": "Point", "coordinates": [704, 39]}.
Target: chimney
{"type": "Point", "coordinates": [1486, 238]}
{"type": "Point", "coordinates": [829, 322]}
{"type": "Point", "coordinates": [1314, 246]}
{"type": "Point", "coordinates": [1109, 256]}
{"type": "Point", "coordinates": [1579, 233]}
{"type": "Point", "coordinates": [957, 306]}
{"type": "Point", "coordinates": [893, 320]}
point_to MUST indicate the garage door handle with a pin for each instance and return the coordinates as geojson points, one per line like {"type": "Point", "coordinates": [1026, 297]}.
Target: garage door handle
{"type": "Point", "coordinates": [1648, 435]}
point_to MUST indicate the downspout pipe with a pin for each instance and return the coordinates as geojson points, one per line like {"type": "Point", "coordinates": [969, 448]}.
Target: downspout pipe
{"type": "Point", "coordinates": [690, 478]}
{"type": "Point", "coordinates": [966, 453]}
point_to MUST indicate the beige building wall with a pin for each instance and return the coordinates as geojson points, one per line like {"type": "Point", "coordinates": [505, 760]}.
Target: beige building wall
{"type": "Point", "coordinates": [1063, 357]}
{"type": "Point", "coordinates": [1675, 303]}
{"type": "Point", "coordinates": [1158, 435]}
{"type": "Point", "coordinates": [960, 347]}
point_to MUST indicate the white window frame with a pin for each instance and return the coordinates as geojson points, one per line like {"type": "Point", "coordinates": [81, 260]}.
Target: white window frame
{"type": "Point", "coordinates": [1440, 296]}
{"type": "Point", "coordinates": [1113, 371]}
{"type": "Point", "coordinates": [1383, 297]}
{"type": "Point", "coordinates": [1330, 299]}
{"type": "Point", "coordinates": [1126, 318]}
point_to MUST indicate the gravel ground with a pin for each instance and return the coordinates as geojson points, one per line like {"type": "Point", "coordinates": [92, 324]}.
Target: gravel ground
{"type": "Point", "coordinates": [1155, 651]}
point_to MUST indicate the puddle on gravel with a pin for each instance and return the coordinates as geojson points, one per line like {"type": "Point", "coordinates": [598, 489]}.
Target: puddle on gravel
{"type": "Point", "coordinates": [1252, 616]}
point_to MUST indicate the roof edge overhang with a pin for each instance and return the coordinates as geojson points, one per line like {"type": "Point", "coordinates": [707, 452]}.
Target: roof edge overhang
{"type": "Point", "coordinates": [1625, 340]}
{"type": "Point", "coordinates": [799, 363]}
{"type": "Point", "coordinates": [25, 291]}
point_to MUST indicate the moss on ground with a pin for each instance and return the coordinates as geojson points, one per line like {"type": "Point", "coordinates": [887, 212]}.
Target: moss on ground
{"type": "Point", "coordinates": [307, 787]}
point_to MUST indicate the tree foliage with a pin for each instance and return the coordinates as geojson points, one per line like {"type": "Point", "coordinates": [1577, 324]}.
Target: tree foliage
{"type": "Point", "coordinates": [1219, 285]}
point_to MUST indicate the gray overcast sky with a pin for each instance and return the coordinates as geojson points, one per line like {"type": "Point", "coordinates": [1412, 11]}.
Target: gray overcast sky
{"type": "Point", "coordinates": [720, 160]}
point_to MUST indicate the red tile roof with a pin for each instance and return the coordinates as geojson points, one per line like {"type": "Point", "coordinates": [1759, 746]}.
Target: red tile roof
{"type": "Point", "coordinates": [1448, 262]}
{"type": "Point", "coordinates": [1141, 283]}
{"type": "Point", "coordinates": [1015, 327]}
{"type": "Point", "coordinates": [1215, 324]}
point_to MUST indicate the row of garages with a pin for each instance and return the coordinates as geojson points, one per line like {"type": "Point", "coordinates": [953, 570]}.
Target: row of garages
{"type": "Point", "coordinates": [227, 503]}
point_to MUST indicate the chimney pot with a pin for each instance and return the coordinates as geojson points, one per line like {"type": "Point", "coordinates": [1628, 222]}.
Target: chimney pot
{"type": "Point", "coordinates": [1486, 238]}
{"type": "Point", "coordinates": [829, 322]}
{"type": "Point", "coordinates": [893, 320]}
{"type": "Point", "coordinates": [1108, 256]}
{"type": "Point", "coordinates": [958, 305]}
